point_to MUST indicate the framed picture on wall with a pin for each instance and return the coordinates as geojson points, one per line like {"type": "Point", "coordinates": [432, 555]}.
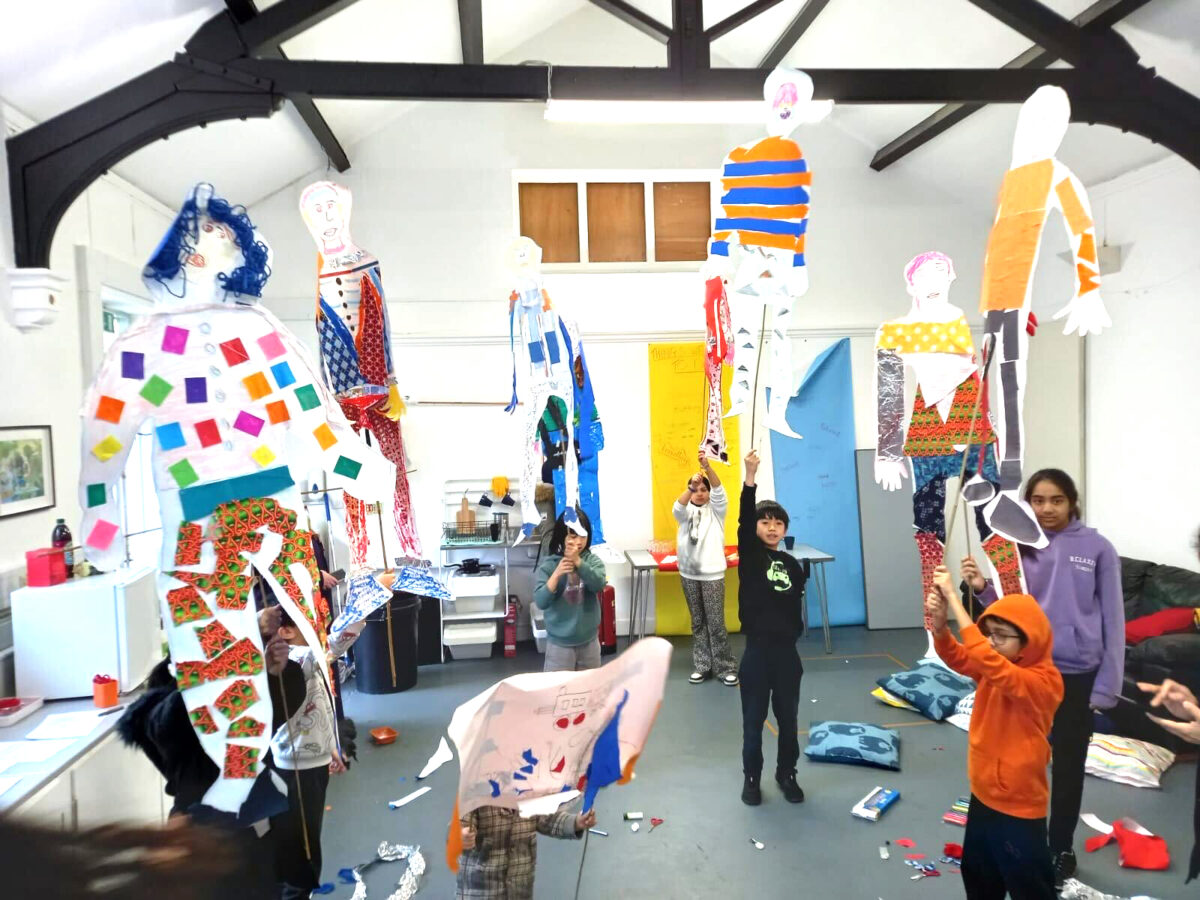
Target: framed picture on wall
{"type": "Point", "coordinates": [26, 470]}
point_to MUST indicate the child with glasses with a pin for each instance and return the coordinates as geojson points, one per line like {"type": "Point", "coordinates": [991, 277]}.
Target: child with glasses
{"type": "Point", "coordinates": [1005, 849]}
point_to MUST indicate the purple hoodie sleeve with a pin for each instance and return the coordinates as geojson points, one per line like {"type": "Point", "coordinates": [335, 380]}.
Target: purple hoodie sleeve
{"type": "Point", "coordinates": [1111, 673]}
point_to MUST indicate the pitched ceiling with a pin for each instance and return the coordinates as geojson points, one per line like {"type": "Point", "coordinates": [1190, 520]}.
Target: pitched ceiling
{"type": "Point", "coordinates": [93, 47]}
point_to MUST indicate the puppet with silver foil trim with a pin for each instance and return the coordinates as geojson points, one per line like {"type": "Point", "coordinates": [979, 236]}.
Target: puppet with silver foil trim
{"type": "Point", "coordinates": [757, 247]}
{"type": "Point", "coordinates": [1035, 184]}
{"type": "Point", "coordinates": [356, 354]}
{"type": "Point", "coordinates": [948, 425]}
{"type": "Point", "coordinates": [239, 414]}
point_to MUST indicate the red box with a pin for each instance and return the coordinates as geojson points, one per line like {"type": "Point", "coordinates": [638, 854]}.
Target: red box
{"type": "Point", "coordinates": [45, 567]}
{"type": "Point", "coordinates": [510, 629]}
{"type": "Point", "coordinates": [608, 619]}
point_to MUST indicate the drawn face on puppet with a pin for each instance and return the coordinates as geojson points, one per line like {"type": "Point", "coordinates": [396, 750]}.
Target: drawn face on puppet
{"type": "Point", "coordinates": [787, 93]}
{"type": "Point", "coordinates": [1041, 125]}
{"type": "Point", "coordinates": [523, 257]}
{"type": "Point", "coordinates": [929, 277]}
{"type": "Point", "coordinates": [216, 247]}
{"type": "Point", "coordinates": [325, 207]}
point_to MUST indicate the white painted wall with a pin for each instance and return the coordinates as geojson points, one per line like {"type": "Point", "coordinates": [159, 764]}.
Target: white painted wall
{"type": "Point", "coordinates": [1143, 491]}
{"type": "Point", "coordinates": [42, 371]}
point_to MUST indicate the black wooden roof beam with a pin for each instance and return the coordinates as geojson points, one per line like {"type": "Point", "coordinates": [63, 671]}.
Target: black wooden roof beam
{"type": "Point", "coordinates": [800, 23]}
{"type": "Point", "coordinates": [470, 31]}
{"type": "Point", "coordinates": [244, 12]}
{"type": "Point", "coordinates": [739, 18]}
{"type": "Point", "coordinates": [1102, 14]}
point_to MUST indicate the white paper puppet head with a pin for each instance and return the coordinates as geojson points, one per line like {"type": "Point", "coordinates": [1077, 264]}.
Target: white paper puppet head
{"type": "Point", "coordinates": [1041, 125]}
{"type": "Point", "coordinates": [325, 208]}
{"type": "Point", "coordinates": [523, 257]}
{"type": "Point", "coordinates": [789, 100]}
{"type": "Point", "coordinates": [212, 253]}
{"type": "Point", "coordinates": [929, 275]}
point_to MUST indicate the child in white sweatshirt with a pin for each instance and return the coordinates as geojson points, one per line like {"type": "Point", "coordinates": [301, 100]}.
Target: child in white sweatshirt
{"type": "Point", "coordinates": [306, 751]}
{"type": "Point", "coordinates": [700, 547]}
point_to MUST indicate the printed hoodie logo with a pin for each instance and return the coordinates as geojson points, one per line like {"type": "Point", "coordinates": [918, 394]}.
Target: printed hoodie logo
{"type": "Point", "coordinates": [1083, 563]}
{"type": "Point", "coordinates": [778, 576]}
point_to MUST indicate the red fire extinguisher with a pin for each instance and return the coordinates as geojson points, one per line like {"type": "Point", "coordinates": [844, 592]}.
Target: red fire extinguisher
{"type": "Point", "coordinates": [608, 619]}
{"type": "Point", "coordinates": [510, 628]}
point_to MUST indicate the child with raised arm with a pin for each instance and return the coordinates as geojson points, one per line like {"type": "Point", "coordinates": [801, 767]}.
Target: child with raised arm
{"type": "Point", "coordinates": [771, 610]}
{"type": "Point", "coordinates": [700, 548]}
{"type": "Point", "coordinates": [1005, 848]}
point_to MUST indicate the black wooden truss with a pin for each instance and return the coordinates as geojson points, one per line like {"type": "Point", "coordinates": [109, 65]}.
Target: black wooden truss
{"type": "Point", "coordinates": [233, 67]}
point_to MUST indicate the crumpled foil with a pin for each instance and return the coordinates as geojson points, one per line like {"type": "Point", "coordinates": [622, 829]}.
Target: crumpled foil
{"type": "Point", "coordinates": [889, 393]}
{"type": "Point", "coordinates": [410, 881]}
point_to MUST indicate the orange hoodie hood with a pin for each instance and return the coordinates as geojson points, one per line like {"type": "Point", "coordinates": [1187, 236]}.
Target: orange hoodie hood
{"type": "Point", "coordinates": [1023, 611]}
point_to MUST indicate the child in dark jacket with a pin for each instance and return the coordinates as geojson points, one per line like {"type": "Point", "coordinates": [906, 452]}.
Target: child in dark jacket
{"type": "Point", "coordinates": [1005, 848]}
{"type": "Point", "coordinates": [771, 610]}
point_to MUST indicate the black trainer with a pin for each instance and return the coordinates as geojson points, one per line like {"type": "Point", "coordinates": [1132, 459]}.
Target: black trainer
{"type": "Point", "coordinates": [752, 791]}
{"type": "Point", "coordinates": [791, 791]}
{"type": "Point", "coordinates": [1064, 866]}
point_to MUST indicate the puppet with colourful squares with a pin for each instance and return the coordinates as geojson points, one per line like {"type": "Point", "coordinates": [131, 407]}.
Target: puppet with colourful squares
{"type": "Point", "coordinates": [240, 417]}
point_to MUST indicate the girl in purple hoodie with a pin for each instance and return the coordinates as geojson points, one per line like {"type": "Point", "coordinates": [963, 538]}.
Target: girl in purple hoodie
{"type": "Point", "coordinates": [1077, 582]}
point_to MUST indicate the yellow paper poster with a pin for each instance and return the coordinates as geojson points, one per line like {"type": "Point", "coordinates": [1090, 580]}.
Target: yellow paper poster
{"type": "Point", "coordinates": [678, 408]}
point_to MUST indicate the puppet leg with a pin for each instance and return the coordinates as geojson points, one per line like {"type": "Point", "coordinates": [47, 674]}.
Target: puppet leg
{"type": "Point", "coordinates": [929, 520]}
{"type": "Point", "coordinates": [566, 393]}
{"type": "Point", "coordinates": [1007, 513]}
{"type": "Point", "coordinates": [718, 349]}
{"type": "Point", "coordinates": [1003, 558]}
{"type": "Point", "coordinates": [391, 445]}
{"type": "Point", "coordinates": [356, 532]}
{"type": "Point", "coordinates": [745, 355]}
{"type": "Point", "coordinates": [782, 377]}
{"type": "Point", "coordinates": [713, 444]}
{"type": "Point", "coordinates": [534, 404]}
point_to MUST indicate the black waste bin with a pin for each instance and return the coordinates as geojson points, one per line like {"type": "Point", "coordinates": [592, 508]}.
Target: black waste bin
{"type": "Point", "coordinates": [374, 655]}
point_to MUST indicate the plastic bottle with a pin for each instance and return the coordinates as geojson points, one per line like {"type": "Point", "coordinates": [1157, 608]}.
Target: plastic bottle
{"type": "Point", "coordinates": [61, 538]}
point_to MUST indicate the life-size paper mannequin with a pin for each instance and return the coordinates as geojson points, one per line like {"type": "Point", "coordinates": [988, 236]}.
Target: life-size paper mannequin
{"type": "Point", "coordinates": [1035, 184]}
{"type": "Point", "coordinates": [757, 246]}
{"type": "Point", "coordinates": [933, 339]}
{"type": "Point", "coordinates": [240, 419]}
{"type": "Point", "coordinates": [547, 354]}
{"type": "Point", "coordinates": [356, 353]}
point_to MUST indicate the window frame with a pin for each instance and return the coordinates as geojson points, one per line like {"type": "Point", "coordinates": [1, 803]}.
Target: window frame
{"type": "Point", "coordinates": [647, 178]}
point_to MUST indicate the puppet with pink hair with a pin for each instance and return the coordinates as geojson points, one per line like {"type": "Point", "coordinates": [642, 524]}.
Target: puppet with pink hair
{"type": "Point", "coordinates": [948, 421]}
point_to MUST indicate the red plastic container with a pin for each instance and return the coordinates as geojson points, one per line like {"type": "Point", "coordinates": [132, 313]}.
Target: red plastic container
{"type": "Point", "coordinates": [104, 691]}
{"type": "Point", "coordinates": [45, 567]}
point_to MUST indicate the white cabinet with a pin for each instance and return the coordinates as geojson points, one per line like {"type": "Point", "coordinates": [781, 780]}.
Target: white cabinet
{"type": "Point", "coordinates": [110, 783]}
{"type": "Point", "coordinates": [52, 807]}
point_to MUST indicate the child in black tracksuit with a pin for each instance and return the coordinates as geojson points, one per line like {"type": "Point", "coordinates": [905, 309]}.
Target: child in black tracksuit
{"type": "Point", "coordinates": [771, 610]}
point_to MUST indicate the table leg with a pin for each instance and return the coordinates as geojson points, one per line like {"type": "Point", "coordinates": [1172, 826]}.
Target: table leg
{"type": "Point", "coordinates": [649, 588]}
{"type": "Point", "coordinates": [823, 596]}
{"type": "Point", "coordinates": [634, 584]}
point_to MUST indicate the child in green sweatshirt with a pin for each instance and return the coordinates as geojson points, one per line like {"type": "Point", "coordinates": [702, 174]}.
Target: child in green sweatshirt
{"type": "Point", "coordinates": [567, 587]}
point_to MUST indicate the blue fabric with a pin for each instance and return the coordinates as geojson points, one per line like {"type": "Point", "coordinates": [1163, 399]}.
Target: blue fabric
{"type": "Point", "coordinates": [765, 196]}
{"type": "Point", "coordinates": [718, 248]}
{"type": "Point", "coordinates": [512, 349]}
{"type": "Point", "coordinates": [767, 167]}
{"type": "Point", "coordinates": [605, 767]}
{"type": "Point", "coordinates": [338, 352]}
{"type": "Point", "coordinates": [933, 689]}
{"type": "Point", "coordinates": [552, 348]}
{"type": "Point", "coordinates": [199, 500]}
{"type": "Point", "coordinates": [767, 226]}
{"type": "Point", "coordinates": [855, 743]}
{"type": "Point", "coordinates": [816, 482]}
{"type": "Point", "coordinates": [535, 352]}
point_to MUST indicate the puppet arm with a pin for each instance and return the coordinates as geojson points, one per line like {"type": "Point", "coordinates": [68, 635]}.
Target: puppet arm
{"type": "Point", "coordinates": [394, 408]}
{"type": "Point", "coordinates": [1085, 313]}
{"type": "Point", "coordinates": [891, 468]}
{"type": "Point", "coordinates": [104, 449]}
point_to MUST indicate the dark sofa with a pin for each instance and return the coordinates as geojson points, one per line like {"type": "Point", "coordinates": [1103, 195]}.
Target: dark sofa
{"type": "Point", "coordinates": [1149, 588]}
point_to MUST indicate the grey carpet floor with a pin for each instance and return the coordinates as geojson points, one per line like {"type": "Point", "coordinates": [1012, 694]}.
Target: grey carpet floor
{"type": "Point", "coordinates": [690, 776]}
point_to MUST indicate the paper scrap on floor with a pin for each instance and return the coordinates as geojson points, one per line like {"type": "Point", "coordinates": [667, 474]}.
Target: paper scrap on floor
{"type": "Point", "coordinates": [65, 725]}
{"type": "Point", "coordinates": [404, 801]}
{"type": "Point", "coordinates": [14, 752]}
{"type": "Point", "coordinates": [441, 756]}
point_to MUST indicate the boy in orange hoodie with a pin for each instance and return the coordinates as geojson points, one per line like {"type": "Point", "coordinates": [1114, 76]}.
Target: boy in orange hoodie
{"type": "Point", "coordinates": [1005, 849]}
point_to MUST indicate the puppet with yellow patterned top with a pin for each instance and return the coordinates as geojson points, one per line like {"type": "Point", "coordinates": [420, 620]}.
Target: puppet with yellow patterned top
{"type": "Point", "coordinates": [933, 339]}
